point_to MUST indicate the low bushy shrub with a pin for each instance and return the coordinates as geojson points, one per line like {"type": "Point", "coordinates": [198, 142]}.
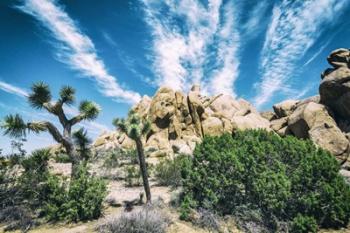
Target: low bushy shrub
{"type": "Point", "coordinates": [29, 191]}
{"type": "Point", "coordinates": [111, 159]}
{"type": "Point", "coordinates": [62, 158]}
{"type": "Point", "coordinates": [23, 188]}
{"type": "Point", "coordinates": [168, 171]}
{"type": "Point", "coordinates": [207, 220]}
{"type": "Point", "coordinates": [282, 177]}
{"type": "Point", "coordinates": [17, 217]}
{"type": "Point", "coordinates": [82, 200]}
{"type": "Point", "coordinates": [304, 224]}
{"type": "Point", "coordinates": [250, 219]}
{"type": "Point", "coordinates": [146, 220]}
{"type": "Point", "coordinates": [132, 176]}
{"type": "Point", "coordinates": [119, 157]}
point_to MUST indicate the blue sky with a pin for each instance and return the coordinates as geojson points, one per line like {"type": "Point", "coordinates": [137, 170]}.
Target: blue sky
{"type": "Point", "coordinates": [115, 51]}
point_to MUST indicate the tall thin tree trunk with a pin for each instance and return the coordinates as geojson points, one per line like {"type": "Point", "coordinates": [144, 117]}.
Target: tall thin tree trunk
{"type": "Point", "coordinates": [143, 169]}
{"type": "Point", "coordinates": [70, 150]}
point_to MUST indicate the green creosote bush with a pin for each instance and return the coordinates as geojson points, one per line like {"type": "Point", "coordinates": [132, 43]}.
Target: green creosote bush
{"type": "Point", "coordinates": [51, 197]}
{"type": "Point", "coordinates": [23, 188]}
{"type": "Point", "coordinates": [168, 170]}
{"type": "Point", "coordinates": [304, 224]}
{"type": "Point", "coordinates": [119, 157]}
{"type": "Point", "coordinates": [81, 200]}
{"type": "Point", "coordinates": [111, 159]}
{"type": "Point", "coordinates": [132, 176]}
{"type": "Point", "coordinates": [62, 158]}
{"type": "Point", "coordinates": [130, 155]}
{"type": "Point", "coordinates": [282, 177]}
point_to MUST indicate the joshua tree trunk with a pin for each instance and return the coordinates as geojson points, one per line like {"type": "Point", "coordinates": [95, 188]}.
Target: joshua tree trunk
{"type": "Point", "coordinates": [143, 169]}
{"type": "Point", "coordinates": [71, 152]}
{"type": "Point", "coordinates": [70, 149]}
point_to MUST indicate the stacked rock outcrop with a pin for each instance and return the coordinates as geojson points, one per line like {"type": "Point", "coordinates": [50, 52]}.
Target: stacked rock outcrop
{"type": "Point", "coordinates": [325, 118]}
{"type": "Point", "coordinates": [179, 121]}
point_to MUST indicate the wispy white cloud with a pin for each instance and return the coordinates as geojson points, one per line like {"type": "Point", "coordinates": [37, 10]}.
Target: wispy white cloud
{"type": "Point", "coordinates": [131, 64]}
{"type": "Point", "coordinates": [294, 28]}
{"type": "Point", "coordinates": [256, 20]}
{"type": "Point", "coordinates": [227, 56]}
{"type": "Point", "coordinates": [181, 39]}
{"type": "Point", "coordinates": [76, 49]}
{"type": "Point", "coordinates": [9, 88]}
{"type": "Point", "coordinates": [109, 39]}
{"type": "Point", "coordinates": [315, 55]}
{"type": "Point", "coordinates": [320, 50]}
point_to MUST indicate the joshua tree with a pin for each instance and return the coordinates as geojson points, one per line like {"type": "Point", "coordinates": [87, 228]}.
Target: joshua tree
{"type": "Point", "coordinates": [40, 98]}
{"type": "Point", "coordinates": [135, 128]}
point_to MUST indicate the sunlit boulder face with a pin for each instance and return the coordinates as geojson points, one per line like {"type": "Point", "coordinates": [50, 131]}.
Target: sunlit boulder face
{"type": "Point", "coordinates": [179, 121]}
{"type": "Point", "coordinates": [325, 118]}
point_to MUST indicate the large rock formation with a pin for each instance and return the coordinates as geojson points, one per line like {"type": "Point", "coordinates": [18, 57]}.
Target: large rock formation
{"type": "Point", "coordinates": [324, 119]}
{"type": "Point", "coordinates": [335, 85]}
{"type": "Point", "coordinates": [179, 121]}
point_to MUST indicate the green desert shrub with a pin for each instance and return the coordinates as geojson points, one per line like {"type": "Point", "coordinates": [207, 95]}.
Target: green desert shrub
{"type": "Point", "coordinates": [28, 191]}
{"type": "Point", "coordinates": [168, 171]}
{"type": "Point", "coordinates": [33, 181]}
{"type": "Point", "coordinates": [304, 224]}
{"type": "Point", "coordinates": [282, 177]}
{"type": "Point", "coordinates": [119, 157]}
{"type": "Point", "coordinates": [130, 155]}
{"type": "Point", "coordinates": [111, 159]}
{"type": "Point", "coordinates": [81, 200]}
{"type": "Point", "coordinates": [132, 176]}
{"type": "Point", "coordinates": [62, 158]}
{"type": "Point", "coordinates": [23, 188]}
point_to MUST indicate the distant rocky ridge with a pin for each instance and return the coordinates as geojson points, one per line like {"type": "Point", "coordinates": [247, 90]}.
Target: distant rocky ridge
{"type": "Point", "coordinates": [180, 120]}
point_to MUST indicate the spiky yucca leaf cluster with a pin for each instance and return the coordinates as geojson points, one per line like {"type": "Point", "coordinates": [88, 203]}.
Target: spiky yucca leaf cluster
{"type": "Point", "coordinates": [134, 126]}
{"type": "Point", "coordinates": [14, 126]}
{"type": "Point", "coordinates": [67, 95]}
{"type": "Point", "coordinates": [82, 141]}
{"type": "Point", "coordinates": [89, 110]}
{"type": "Point", "coordinates": [40, 95]}
{"type": "Point", "coordinates": [80, 137]}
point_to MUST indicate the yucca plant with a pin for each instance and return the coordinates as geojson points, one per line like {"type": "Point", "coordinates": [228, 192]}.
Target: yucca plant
{"type": "Point", "coordinates": [41, 98]}
{"type": "Point", "coordinates": [82, 142]}
{"type": "Point", "coordinates": [135, 128]}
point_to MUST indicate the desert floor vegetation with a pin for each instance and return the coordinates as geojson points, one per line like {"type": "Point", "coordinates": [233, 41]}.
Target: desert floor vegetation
{"type": "Point", "coordinates": [267, 182]}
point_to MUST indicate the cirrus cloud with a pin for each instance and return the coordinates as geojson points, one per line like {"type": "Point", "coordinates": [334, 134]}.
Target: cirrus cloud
{"type": "Point", "coordinates": [76, 49]}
